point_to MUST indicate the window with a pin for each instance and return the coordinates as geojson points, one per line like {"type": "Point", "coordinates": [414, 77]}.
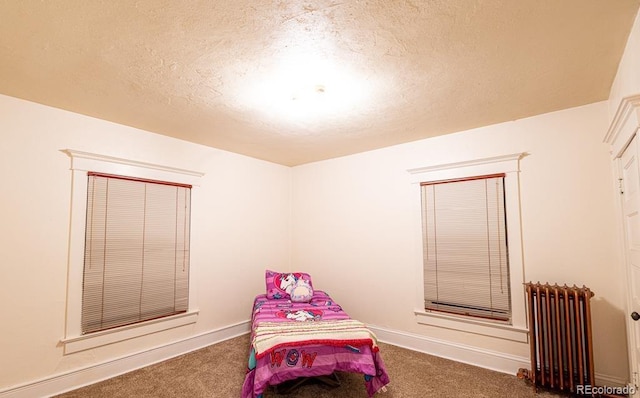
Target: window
{"type": "Point", "coordinates": [466, 267]}
{"type": "Point", "coordinates": [469, 268]}
{"type": "Point", "coordinates": [167, 214]}
{"type": "Point", "coordinates": [136, 257]}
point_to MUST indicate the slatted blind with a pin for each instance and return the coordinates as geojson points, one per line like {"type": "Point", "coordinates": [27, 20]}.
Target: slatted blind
{"type": "Point", "coordinates": [136, 264]}
{"type": "Point", "coordinates": [466, 268]}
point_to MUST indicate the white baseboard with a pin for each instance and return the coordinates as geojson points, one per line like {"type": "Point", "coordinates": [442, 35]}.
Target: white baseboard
{"type": "Point", "coordinates": [57, 384]}
{"type": "Point", "coordinates": [498, 361]}
{"type": "Point", "coordinates": [71, 380]}
{"type": "Point", "coordinates": [610, 381]}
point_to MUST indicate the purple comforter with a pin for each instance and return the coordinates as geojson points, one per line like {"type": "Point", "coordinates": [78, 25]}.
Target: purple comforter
{"type": "Point", "coordinates": [310, 357]}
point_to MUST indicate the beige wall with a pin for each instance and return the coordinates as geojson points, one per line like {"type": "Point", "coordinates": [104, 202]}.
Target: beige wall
{"type": "Point", "coordinates": [244, 230]}
{"type": "Point", "coordinates": [627, 81]}
{"type": "Point", "coordinates": [352, 224]}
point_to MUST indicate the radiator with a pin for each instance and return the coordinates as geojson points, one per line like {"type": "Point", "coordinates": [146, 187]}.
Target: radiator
{"type": "Point", "coordinates": [560, 337]}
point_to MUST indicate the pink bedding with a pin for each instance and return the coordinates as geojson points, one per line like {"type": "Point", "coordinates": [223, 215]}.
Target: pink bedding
{"type": "Point", "coordinates": [291, 340]}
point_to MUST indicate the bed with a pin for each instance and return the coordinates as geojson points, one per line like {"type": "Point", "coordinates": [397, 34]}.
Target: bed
{"type": "Point", "coordinates": [298, 332]}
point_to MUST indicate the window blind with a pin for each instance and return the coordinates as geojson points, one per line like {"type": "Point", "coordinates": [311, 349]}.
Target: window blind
{"type": "Point", "coordinates": [136, 264]}
{"type": "Point", "coordinates": [466, 268]}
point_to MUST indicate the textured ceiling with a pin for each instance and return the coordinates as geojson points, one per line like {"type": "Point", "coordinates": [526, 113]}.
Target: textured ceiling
{"type": "Point", "coordinates": [298, 81]}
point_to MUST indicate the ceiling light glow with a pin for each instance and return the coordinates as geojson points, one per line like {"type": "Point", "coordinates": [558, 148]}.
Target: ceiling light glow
{"type": "Point", "coordinates": [305, 90]}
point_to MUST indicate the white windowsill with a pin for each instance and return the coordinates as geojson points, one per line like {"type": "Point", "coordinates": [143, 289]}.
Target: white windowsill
{"type": "Point", "coordinates": [97, 339]}
{"type": "Point", "coordinates": [486, 328]}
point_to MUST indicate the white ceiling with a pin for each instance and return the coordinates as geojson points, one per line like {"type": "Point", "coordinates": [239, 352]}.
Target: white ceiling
{"type": "Point", "coordinates": [298, 81]}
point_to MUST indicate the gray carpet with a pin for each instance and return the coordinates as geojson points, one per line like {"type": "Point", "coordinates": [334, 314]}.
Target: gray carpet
{"type": "Point", "coordinates": [218, 371]}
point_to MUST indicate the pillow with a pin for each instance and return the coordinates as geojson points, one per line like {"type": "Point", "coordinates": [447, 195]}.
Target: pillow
{"type": "Point", "coordinates": [302, 291]}
{"type": "Point", "coordinates": [279, 284]}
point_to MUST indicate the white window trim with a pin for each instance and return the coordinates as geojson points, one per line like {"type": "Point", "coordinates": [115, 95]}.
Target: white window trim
{"type": "Point", "coordinates": [81, 163]}
{"type": "Point", "coordinates": [510, 165]}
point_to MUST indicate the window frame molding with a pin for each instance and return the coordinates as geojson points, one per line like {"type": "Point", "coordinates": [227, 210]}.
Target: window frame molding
{"type": "Point", "coordinates": [510, 166]}
{"type": "Point", "coordinates": [81, 163]}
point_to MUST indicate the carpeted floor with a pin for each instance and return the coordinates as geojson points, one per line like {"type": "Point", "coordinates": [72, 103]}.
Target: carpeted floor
{"type": "Point", "coordinates": [218, 371]}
